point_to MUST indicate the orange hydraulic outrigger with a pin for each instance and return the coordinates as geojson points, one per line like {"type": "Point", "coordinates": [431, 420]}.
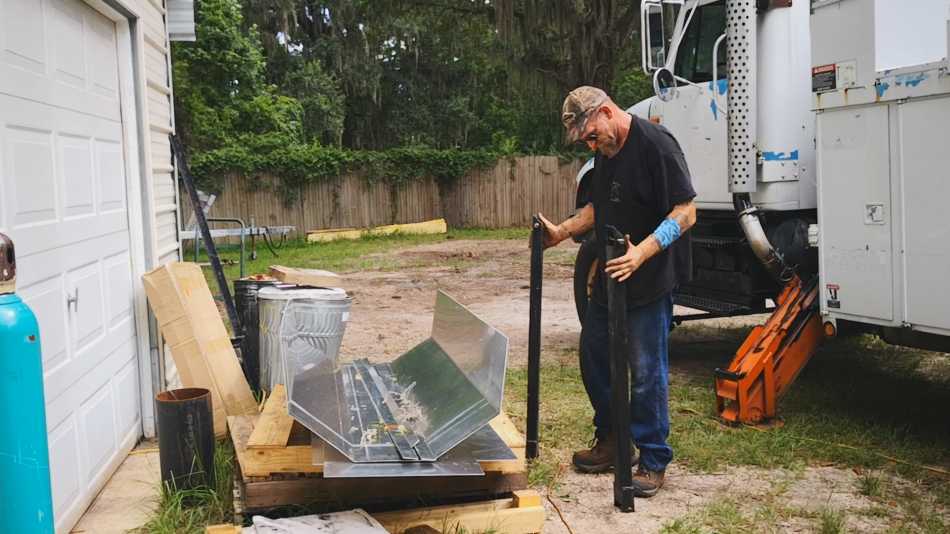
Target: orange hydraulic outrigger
{"type": "Point", "coordinates": [772, 356]}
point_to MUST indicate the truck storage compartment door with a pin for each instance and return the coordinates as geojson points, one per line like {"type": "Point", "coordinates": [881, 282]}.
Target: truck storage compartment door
{"type": "Point", "coordinates": [924, 162]}
{"type": "Point", "coordinates": [854, 213]}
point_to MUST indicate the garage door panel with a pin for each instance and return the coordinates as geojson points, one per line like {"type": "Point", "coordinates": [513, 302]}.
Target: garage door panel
{"type": "Point", "coordinates": [64, 467]}
{"type": "Point", "coordinates": [84, 286]}
{"type": "Point", "coordinates": [24, 34]}
{"type": "Point", "coordinates": [87, 366]}
{"type": "Point", "coordinates": [118, 271]}
{"type": "Point", "coordinates": [111, 175]}
{"type": "Point", "coordinates": [47, 89]}
{"type": "Point", "coordinates": [98, 373]}
{"type": "Point", "coordinates": [68, 59]}
{"type": "Point", "coordinates": [98, 431]}
{"type": "Point", "coordinates": [65, 61]}
{"type": "Point", "coordinates": [103, 59]}
{"type": "Point", "coordinates": [46, 300]}
{"type": "Point", "coordinates": [50, 240]}
{"type": "Point", "coordinates": [126, 385]}
{"type": "Point", "coordinates": [38, 266]}
{"type": "Point", "coordinates": [76, 169]}
{"type": "Point", "coordinates": [32, 185]}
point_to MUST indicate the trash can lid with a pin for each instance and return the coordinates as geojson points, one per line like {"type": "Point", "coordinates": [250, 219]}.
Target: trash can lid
{"type": "Point", "coordinates": [301, 293]}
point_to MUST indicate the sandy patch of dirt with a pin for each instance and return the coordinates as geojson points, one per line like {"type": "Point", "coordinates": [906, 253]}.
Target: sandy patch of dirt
{"type": "Point", "coordinates": [392, 310]}
{"type": "Point", "coordinates": [796, 499]}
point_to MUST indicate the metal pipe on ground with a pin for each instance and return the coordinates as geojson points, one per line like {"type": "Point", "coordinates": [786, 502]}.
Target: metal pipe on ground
{"type": "Point", "coordinates": [185, 438]}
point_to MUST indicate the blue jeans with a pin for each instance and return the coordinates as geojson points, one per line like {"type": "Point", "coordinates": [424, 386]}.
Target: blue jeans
{"type": "Point", "coordinates": [648, 330]}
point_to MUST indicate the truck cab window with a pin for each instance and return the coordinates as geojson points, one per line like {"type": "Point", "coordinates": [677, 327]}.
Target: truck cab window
{"type": "Point", "coordinates": [694, 56]}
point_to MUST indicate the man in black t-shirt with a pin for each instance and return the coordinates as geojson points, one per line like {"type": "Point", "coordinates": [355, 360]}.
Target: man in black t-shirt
{"type": "Point", "coordinates": [641, 186]}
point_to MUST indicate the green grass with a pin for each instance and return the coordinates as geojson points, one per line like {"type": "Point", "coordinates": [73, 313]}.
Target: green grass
{"type": "Point", "coordinates": [341, 255]}
{"type": "Point", "coordinates": [870, 484]}
{"type": "Point", "coordinates": [831, 521]}
{"type": "Point", "coordinates": [190, 511]}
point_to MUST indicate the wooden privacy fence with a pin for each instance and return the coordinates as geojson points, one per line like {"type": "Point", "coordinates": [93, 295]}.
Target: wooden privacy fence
{"type": "Point", "coordinates": [502, 196]}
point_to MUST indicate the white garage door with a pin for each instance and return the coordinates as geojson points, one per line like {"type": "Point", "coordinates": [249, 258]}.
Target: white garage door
{"type": "Point", "coordinates": [63, 201]}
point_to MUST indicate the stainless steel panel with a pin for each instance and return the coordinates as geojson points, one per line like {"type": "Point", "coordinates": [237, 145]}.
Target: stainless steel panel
{"type": "Point", "coordinates": [415, 408]}
{"type": "Point", "coordinates": [462, 460]}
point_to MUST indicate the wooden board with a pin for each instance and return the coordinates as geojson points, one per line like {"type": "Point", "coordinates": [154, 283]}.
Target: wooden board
{"type": "Point", "coordinates": [435, 226]}
{"type": "Point", "coordinates": [521, 514]}
{"type": "Point", "coordinates": [306, 277]}
{"type": "Point", "coordinates": [191, 325]}
{"type": "Point", "coordinates": [334, 494]}
{"type": "Point", "coordinates": [508, 516]}
{"type": "Point", "coordinates": [273, 427]}
{"type": "Point", "coordinates": [298, 456]}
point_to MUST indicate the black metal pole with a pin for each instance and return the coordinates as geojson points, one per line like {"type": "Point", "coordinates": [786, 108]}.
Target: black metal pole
{"type": "Point", "coordinates": [189, 182]}
{"type": "Point", "coordinates": [534, 336]}
{"type": "Point", "coordinates": [619, 376]}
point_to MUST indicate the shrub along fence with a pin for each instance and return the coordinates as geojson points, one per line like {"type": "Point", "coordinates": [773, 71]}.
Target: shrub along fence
{"type": "Point", "coordinates": [499, 196]}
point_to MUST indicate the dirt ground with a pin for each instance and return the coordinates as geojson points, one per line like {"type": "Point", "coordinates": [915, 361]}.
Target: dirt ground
{"type": "Point", "coordinates": [393, 310]}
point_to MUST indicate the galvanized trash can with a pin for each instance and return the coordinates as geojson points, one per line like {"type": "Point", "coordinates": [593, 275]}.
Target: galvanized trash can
{"type": "Point", "coordinates": [245, 300]}
{"type": "Point", "coordinates": [299, 326]}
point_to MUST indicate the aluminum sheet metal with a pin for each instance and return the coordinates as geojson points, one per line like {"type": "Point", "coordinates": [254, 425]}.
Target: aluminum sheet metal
{"type": "Point", "coordinates": [415, 408]}
{"type": "Point", "coordinates": [462, 460]}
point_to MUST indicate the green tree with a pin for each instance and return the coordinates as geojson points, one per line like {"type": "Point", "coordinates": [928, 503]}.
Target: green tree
{"type": "Point", "coordinates": [219, 82]}
{"type": "Point", "coordinates": [322, 101]}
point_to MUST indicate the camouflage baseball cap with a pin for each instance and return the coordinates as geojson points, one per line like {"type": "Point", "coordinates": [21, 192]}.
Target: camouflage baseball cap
{"type": "Point", "coordinates": [577, 107]}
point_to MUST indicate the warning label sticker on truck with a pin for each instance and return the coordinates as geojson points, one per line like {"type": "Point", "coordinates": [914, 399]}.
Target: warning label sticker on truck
{"type": "Point", "coordinates": [832, 300]}
{"type": "Point", "coordinates": [823, 78]}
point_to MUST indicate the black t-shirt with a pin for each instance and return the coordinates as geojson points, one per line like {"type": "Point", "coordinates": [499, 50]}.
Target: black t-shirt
{"type": "Point", "coordinates": [634, 191]}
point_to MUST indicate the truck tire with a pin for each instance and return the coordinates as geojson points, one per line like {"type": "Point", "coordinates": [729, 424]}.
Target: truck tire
{"type": "Point", "coordinates": [585, 265]}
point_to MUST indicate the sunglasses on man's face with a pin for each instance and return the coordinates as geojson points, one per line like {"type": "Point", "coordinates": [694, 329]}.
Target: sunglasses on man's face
{"type": "Point", "coordinates": [593, 136]}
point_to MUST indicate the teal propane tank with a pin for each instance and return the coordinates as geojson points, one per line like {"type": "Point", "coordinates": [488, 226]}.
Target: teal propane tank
{"type": "Point", "coordinates": [26, 503]}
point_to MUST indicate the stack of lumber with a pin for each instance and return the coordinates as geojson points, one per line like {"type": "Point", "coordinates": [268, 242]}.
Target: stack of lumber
{"type": "Point", "coordinates": [279, 467]}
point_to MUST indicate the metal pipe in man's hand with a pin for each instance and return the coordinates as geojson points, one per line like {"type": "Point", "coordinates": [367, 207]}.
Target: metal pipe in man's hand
{"type": "Point", "coordinates": [619, 375]}
{"type": "Point", "coordinates": [534, 336]}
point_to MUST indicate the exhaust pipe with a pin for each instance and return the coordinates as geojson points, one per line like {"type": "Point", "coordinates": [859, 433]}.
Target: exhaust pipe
{"type": "Point", "coordinates": [751, 225]}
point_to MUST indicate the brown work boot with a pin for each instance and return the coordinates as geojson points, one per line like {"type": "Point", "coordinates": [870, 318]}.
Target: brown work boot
{"type": "Point", "coordinates": [647, 483]}
{"type": "Point", "coordinates": [599, 458]}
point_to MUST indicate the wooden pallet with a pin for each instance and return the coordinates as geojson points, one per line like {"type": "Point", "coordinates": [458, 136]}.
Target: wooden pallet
{"type": "Point", "coordinates": [523, 513]}
{"type": "Point", "coordinates": [279, 467]}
